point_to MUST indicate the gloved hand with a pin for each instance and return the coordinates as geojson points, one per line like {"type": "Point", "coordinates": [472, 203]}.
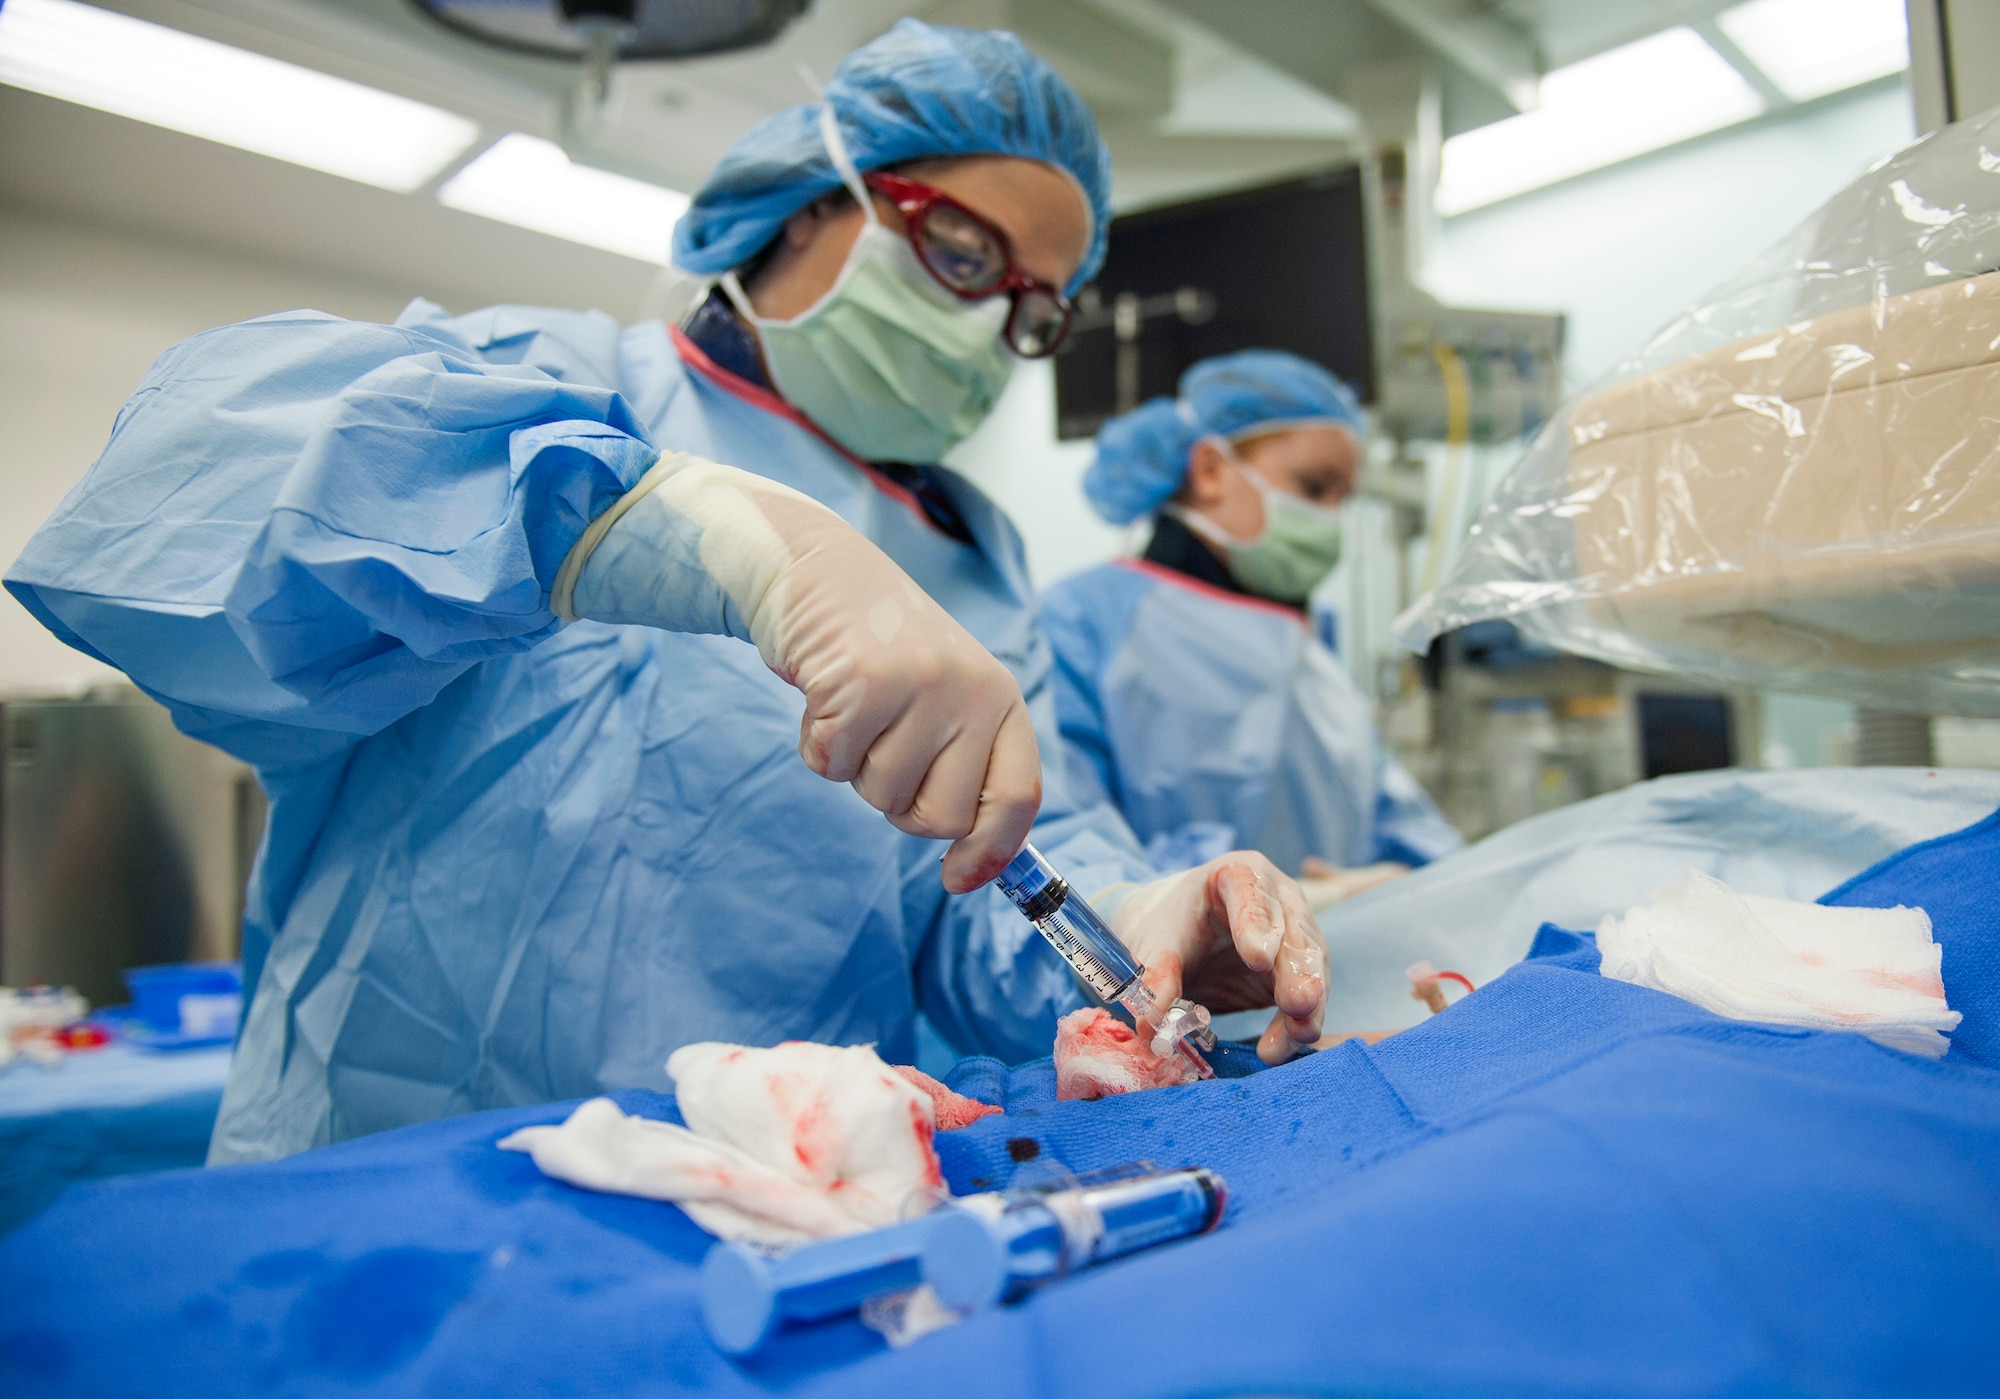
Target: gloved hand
{"type": "Point", "coordinates": [1326, 884]}
{"type": "Point", "coordinates": [1233, 934]}
{"type": "Point", "coordinates": [901, 701]}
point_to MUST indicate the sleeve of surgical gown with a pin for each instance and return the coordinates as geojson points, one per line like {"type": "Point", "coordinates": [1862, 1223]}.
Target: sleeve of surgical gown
{"type": "Point", "coordinates": [987, 979]}
{"type": "Point", "coordinates": [304, 527]}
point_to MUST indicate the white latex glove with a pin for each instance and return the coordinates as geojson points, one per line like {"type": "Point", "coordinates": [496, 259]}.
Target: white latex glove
{"type": "Point", "coordinates": [1326, 884]}
{"type": "Point", "coordinates": [1233, 934]}
{"type": "Point", "coordinates": [901, 701]}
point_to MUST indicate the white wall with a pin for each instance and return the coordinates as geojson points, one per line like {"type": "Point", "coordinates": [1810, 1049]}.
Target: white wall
{"type": "Point", "coordinates": [83, 311]}
{"type": "Point", "coordinates": [1038, 481]}
{"type": "Point", "coordinates": [1621, 252]}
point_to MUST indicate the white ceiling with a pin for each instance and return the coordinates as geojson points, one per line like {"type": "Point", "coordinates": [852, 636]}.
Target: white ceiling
{"type": "Point", "coordinates": [1194, 96]}
{"type": "Point", "coordinates": [71, 161]}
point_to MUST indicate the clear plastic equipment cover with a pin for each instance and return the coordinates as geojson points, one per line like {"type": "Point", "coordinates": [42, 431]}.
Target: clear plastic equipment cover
{"type": "Point", "coordinates": [1796, 484]}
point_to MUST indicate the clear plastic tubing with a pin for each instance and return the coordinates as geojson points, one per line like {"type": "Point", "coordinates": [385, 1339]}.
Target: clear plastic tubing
{"type": "Point", "coordinates": [988, 1249]}
{"type": "Point", "coordinates": [1106, 965]}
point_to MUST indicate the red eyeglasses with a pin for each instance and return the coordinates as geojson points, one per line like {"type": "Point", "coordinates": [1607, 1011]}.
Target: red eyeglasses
{"type": "Point", "coordinates": [973, 260]}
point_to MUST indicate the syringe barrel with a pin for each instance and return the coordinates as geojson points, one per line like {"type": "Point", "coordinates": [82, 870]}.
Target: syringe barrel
{"type": "Point", "coordinates": [1070, 924]}
{"type": "Point", "coordinates": [993, 1248]}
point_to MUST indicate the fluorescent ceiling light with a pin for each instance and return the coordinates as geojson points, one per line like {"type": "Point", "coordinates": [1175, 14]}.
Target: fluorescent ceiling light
{"type": "Point", "coordinates": [1812, 47]}
{"type": "Point", "coordinates": [153, 74]}
{"type": "Point", "coordinates": [529, 182]}
{"type": "Point", "coordinates": [1639, 98]}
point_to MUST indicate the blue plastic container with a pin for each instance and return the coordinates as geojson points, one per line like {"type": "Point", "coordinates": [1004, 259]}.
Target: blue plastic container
{"type": "Point", "coordinates": [182, 1005]}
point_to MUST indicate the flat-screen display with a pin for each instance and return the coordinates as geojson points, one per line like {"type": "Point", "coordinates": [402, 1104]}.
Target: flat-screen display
{"type": "Point", "coordinates": [1684, 733]}
{"type": "Point", "coordinates": [1283, 267]}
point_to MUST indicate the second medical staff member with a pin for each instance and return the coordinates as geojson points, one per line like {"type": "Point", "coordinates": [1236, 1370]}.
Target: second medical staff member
{"type": "Point", "coordinates": [1191, 692]}
{"type": "Point", "coordinates": [515, 857]}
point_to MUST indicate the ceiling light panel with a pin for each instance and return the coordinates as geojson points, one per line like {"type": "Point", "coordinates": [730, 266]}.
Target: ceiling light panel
{"type": "Point", "coordinates": [168, 78]}
{"type": "Point", "coordinates": [530, 183]}
{"type": "Point", "coordinates": [1663, 89]}
{"type": "Point", "coordinates": [1810, 48]}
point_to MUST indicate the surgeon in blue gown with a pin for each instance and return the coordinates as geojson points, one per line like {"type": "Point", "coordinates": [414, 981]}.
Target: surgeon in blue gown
{"type": "Point", "coordinates": [472, 593]}
{"type": "Point", "coordinates": [1190, 690]}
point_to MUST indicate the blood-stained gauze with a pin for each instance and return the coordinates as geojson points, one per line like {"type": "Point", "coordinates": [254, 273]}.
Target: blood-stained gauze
{"type": "Point", "coordinates": [951, 1110]}
{"type": "Point", "coordinates": [1098, 1055]}
{"type": "Point", "coordinates": [804, 1141]}
{"type": "Point", "coordinates": [1871, 971]}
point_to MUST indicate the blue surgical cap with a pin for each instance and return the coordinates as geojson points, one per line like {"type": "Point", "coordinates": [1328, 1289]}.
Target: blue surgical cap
{"type": "Point", "coordinates": [1142, 457]}
{"type": "Point", "coordinates": [920, 91]}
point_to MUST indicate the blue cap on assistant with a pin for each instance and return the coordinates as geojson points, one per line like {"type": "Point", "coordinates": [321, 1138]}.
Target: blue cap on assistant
{"type": "Point", "coordinates": [1142, 456]}
{"type": "Point", "coordinates": [919, 91]}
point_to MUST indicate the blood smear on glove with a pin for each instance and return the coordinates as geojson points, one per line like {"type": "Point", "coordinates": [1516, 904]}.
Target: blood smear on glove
{"type": "Point", "coordinates": [952, 1110]}
{"type": "Point", "coordinates": [1098, 1055]}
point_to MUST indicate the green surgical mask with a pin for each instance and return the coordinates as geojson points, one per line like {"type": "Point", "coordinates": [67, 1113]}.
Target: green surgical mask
{"type": "Point", "coordinates": [1298, 546]}
{"type": "Point", "coordinates": [885, 368]}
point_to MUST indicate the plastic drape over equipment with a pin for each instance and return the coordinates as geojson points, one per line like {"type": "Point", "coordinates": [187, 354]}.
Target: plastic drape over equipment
{"type": "Point", "coordinates": [1795, 485]}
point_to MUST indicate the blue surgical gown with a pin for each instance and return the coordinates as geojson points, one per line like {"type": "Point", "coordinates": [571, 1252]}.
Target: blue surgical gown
{"type": "Point", "coordinates": [1184, 704]}
{"type": "Point", "coordinates": [507, 860]}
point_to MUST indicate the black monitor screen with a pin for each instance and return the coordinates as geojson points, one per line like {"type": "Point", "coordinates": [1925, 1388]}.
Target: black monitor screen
{"type": "Point", "coordinates": [1286, 266]}
{"type": "Point", "coordinates": [1684, 733]}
